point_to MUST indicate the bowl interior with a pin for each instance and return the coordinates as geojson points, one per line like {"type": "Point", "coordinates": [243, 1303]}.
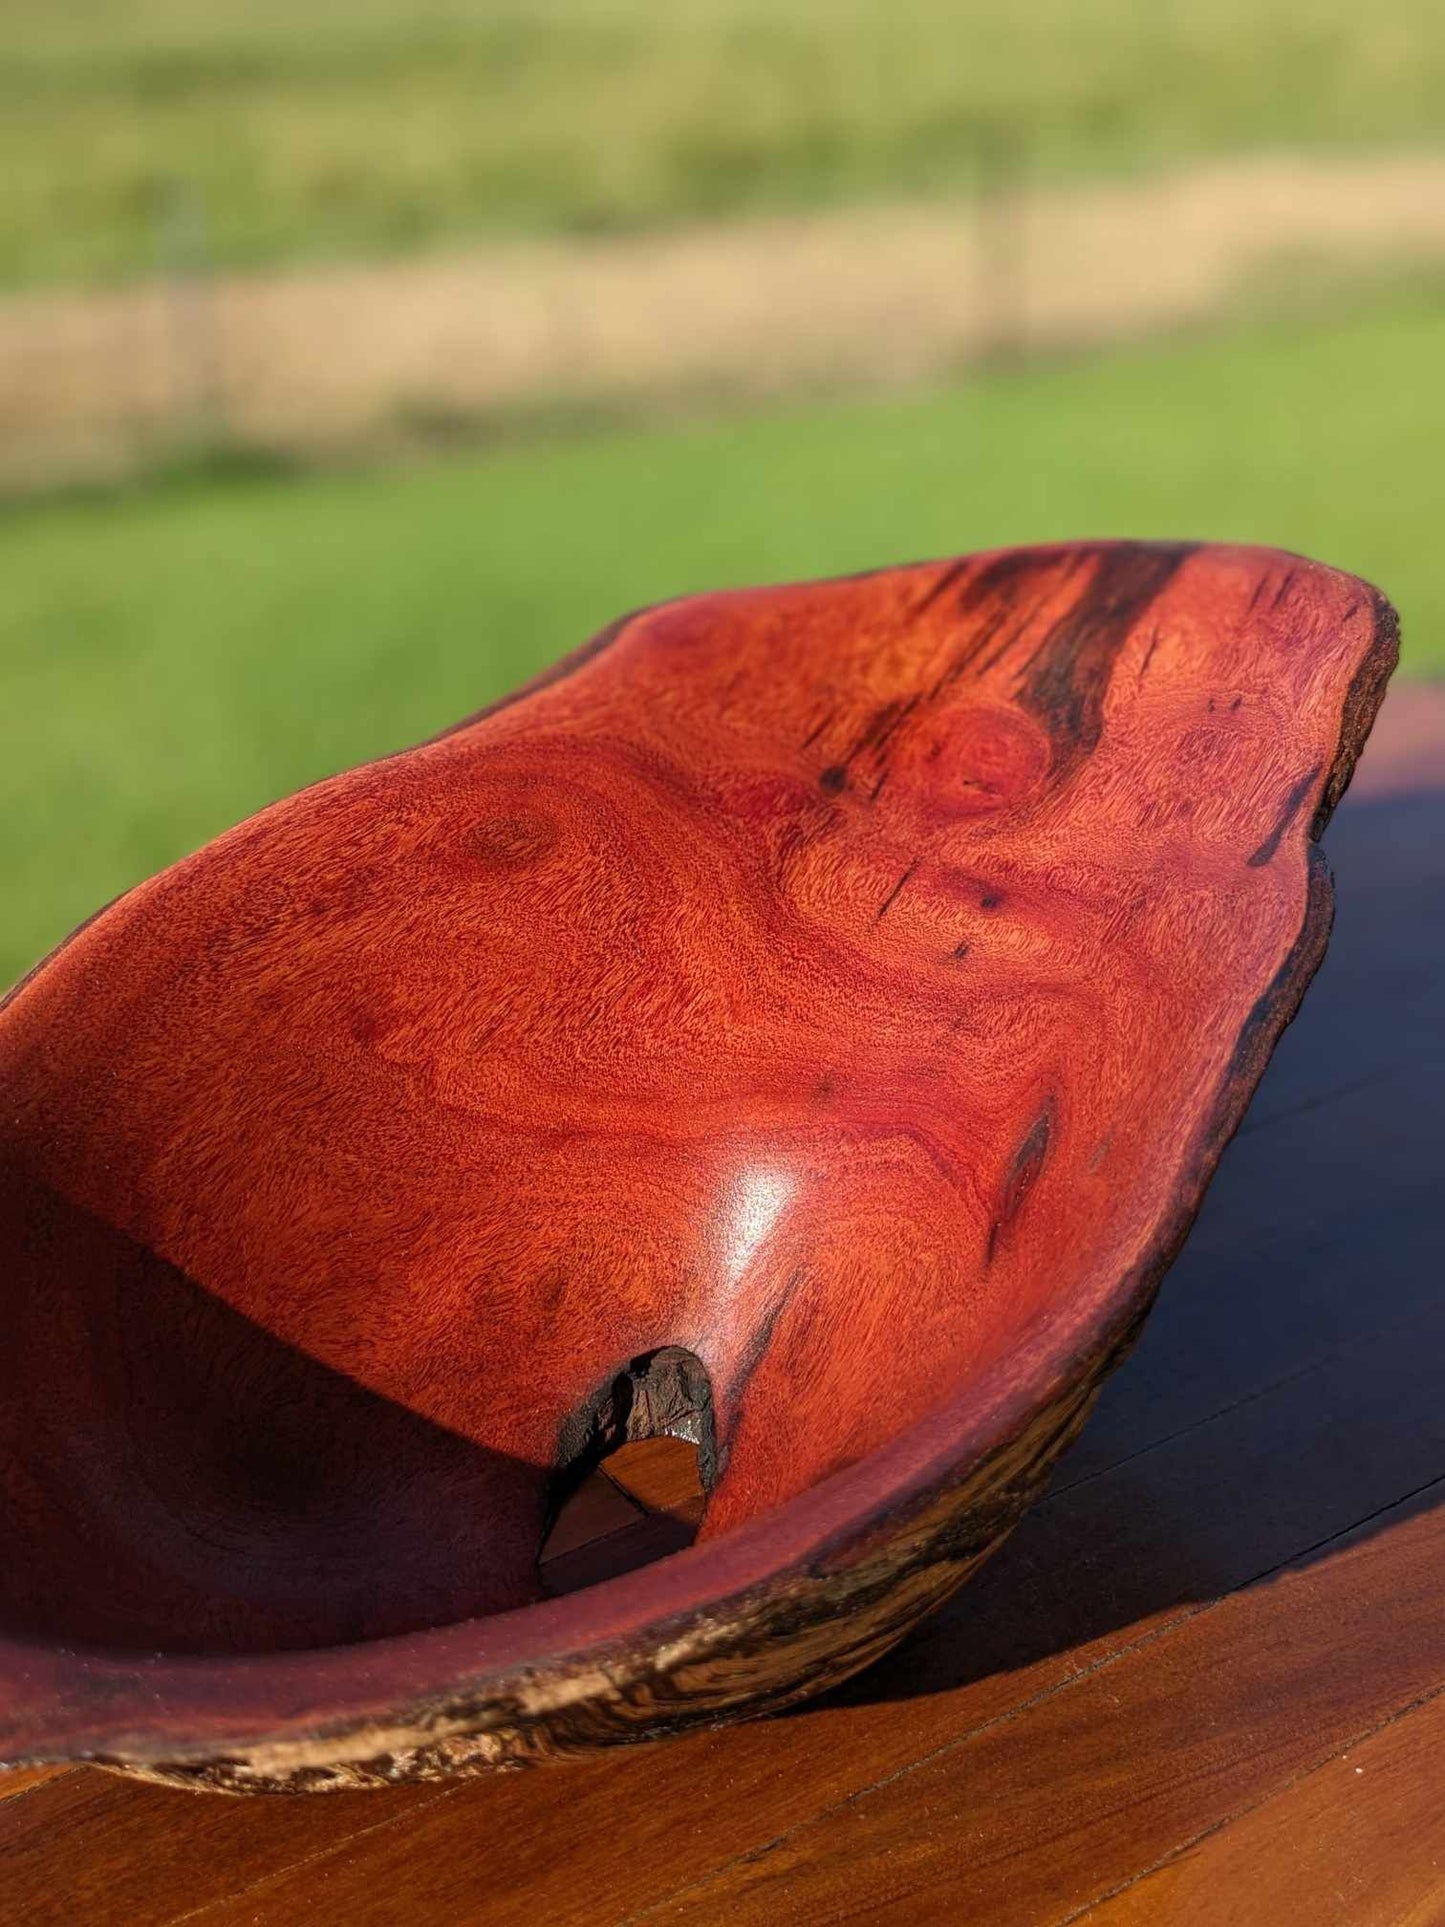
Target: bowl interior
{"type": "Point", "coordinates": [756, 1033]}
{"type": "Point", "coordinates": [180, 1479]}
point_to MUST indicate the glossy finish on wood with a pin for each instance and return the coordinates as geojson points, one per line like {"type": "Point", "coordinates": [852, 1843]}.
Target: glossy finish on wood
{"type": "Point", "coordinates": [806, 1020]}
{"type": "Point", "coordinates": [1237, 1577]}
{"type": "Point", "coordinates": [1327, 1849]}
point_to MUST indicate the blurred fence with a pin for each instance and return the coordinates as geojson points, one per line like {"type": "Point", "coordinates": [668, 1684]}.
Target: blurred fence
{"type": "Point", "coordinates": [322, 363]}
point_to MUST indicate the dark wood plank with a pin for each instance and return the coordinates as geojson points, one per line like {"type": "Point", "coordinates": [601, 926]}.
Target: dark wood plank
{"type": "Point", "coordinates": [597, 1510]}
{"type": "Point", "coordinates": [1359, 1842]}
{"type": "Point", "coordinates": [644, 1502]}
{"type": "Point", "coordinates": [650, 1536]}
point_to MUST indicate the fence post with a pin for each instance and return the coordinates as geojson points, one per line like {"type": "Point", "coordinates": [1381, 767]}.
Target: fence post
{"type": "Point", "coordinates": [193, 345]}
{"type": "Point", "coordinates": [1002, 242]}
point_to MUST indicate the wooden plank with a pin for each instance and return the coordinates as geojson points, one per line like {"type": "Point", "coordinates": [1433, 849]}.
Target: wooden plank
{"type": "Point", "coordinates": [662, 1474]}
{"type": "Point", "coordinates": [1359, 1842]}
{"type": "Point", "coordinates": [596, 1510]}
{"type": "Point", "coordinates": [92, 1850]}
{"type": "Point", "coordinates": [1243, 1311]}
{"type": "Point", "coordinates": [1037, 1817]}
{"type": "Point", "coordinates": [644, 1502]}
{"type": "Point", "coordinates": [652, 1536]}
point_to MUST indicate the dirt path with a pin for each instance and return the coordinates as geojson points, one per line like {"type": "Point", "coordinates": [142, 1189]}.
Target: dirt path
{"type": "Point", "coordinates": [326, 361]}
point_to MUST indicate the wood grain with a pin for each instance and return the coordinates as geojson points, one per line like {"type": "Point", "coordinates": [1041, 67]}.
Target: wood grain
{"type": "Point", "coordinates": [644, 1502]}
{"type": "Point", "coordinates": [806, 1020]}
{"type": "Point", "coordinates": [22, 1779]}
{"type": "Point", "coordinates": [98, 1849]}
{"type": "Point", "coordinates": [1327, 1849]}
{"type": "Point", "coordinates": [1297, 1324]}
{"type": "Point", "coordinates": [1189, 1700]}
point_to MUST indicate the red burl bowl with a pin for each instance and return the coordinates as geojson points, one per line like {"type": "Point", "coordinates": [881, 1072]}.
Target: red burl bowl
{"type": "Point", "coordinates": [804, 1020]}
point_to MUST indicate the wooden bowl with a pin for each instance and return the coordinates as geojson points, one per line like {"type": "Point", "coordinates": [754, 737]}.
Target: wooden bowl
{"type": "Point", "coordinates": [805, 1020]}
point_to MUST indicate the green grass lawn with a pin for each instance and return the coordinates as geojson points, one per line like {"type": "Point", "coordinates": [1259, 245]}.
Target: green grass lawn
{"type": "Point", "coordinates": [308, 127]}
{"type": "Point", "coordinates": [170, 661]}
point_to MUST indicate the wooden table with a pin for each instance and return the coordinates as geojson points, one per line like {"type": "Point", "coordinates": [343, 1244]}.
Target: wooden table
{"type": "Point", "coordinates": [1204, 1682]}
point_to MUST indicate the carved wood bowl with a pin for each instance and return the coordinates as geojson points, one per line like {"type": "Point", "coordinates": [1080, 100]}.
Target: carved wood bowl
{"type": "Point", "coordinates": [804, 1020]}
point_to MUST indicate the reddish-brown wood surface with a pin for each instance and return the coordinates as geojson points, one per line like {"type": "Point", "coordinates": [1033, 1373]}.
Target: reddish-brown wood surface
{"type": "Point", "coordinates": [1150, 1707]}
{"type": "Point", "coordinates": [1325, 1848]}
{"type": "Point", "coordinates": [845, 988]}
